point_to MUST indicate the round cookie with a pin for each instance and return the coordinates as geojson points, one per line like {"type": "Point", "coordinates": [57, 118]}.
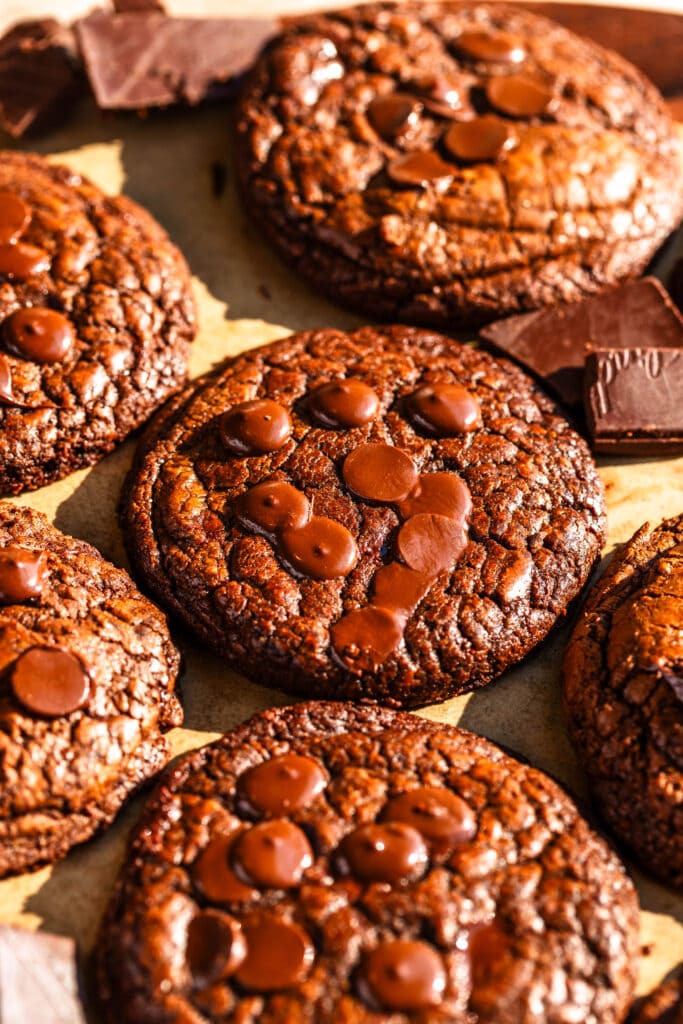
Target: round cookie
{"type": "Point", "coordinates": [326, 862]}
{"type": "Point", "coordinates": [664, 1005]}
{"type": "Point", "coordinates": [87, 671]}
{"type": "Point", "coordinates": [447, 165]}
{"type": "Point", "coordinates": [385, 514]}
{"type": "Point", "coordinates": [623, 693]}
{"type": "Point", "coordinates": [96, 316]}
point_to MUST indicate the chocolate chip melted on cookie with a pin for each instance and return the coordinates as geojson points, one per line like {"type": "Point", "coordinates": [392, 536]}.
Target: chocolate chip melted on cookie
{"type": "Point", "coordinates": [23, 574]}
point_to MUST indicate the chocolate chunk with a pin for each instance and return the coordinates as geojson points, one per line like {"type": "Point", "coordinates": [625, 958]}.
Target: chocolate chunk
{"type": "Point", "coordinates": [429, 543]}
{"type": "Point", "coordinates": [483, 138]}
{"type": "Point", "coordinates": [322, 549]}
{"type": "Point", "coordinates": [252, 428]}
{"type": "Point", "coordinates": [491, 46]}
{"type": "Point", "coordinates": [366, 637]}
{"type": "Point", "coordinates": [40, 334]}
{"type": "Point", "coordinates": [380, 472]}
{"type": "Point", "coordinates": [421, 168]}
{"type": "Point", "coordinates": [6, 393]}
{"type": "Point", "coordinates": [282, 784]}
{"type": "Point", "coordinates": [22, 574]}
{"type": "Point", "coordinates": [520, 95]}
{"type": "Point", "coordinates": [274, 506]}
{"type": "Point", "coordinates": [140, 60]}
{"type": "Point", "coordinates": [441, 816]}
{"type": "Point", "coordinates": [39, 77]}
{"type": "Point", "coordinates": [343, 403]}
{"type": "Point", "coordinates": [273, 854]}
{"type": "Point", "coordinates": [215, 946]}
{"type": "Point", "coordinates": [403, 975]}
{"type": "Point", "coordinates": [15, 216]}
{"type": "Point", "coordinates": [633, 400]}
{"type": "Point", "coordinates": [444, 409]}
{"type": "Point", "coordinates": [279, 953]}
{"type": "Point", "coordinates": [553, 343]}
{"type": "Point", "coordinates": [392, 114]}
{"type": "Point", "coordinates": [213, 875]}
{"type": "Point", "coordinates": [50, 681]}
{"type": "Point", "coordinates": [443, 494]}
{"type": "Point", "coordinates": [38, 978]}
{"type": "Point", "coordinates": [391, 852]}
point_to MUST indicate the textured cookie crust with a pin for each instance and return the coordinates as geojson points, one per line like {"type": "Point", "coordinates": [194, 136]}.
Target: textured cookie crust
{"type": "Point", "coordinates": [623, 691]}
{"type": "Point", "coordinates": [581, 201]}
{"type": "Point", "coordinates": [664, 1005]}
{"type": "Point", "coordinates": [536, 528]}
{"type": "Point", "coordinates": [566, 909]}
{"type": "Point", "coordinates": [63, 778]}
{"type": "Point", "coordinates": [115, 275]}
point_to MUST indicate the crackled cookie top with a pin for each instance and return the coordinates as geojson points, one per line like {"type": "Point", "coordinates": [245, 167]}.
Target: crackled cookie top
{"type": "Point", "coordinates": [383, 514]}
{"type": "Point", "coordinates": [623, 686]}
{"type": "Point", "coordinates": [87, 670]}
{"type": "Point", "coordinates": [444, 164]}
{"type": "Point", "coordinates": [326, 863]}
{"type": "Point", "coordinates": [95, 320]}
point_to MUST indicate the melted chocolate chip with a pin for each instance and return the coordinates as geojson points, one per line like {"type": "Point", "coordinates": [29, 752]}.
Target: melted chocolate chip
{"type": "Point", "coordinates": [398, 588]}
{"type": "Point", "coordinates": [491, 46]}
{"type": "Point", "coordinates": [19, 260]}
{"type": "Point", "coordinates": [443, 494]}
{"type": "Point", "coordinates": [50, 681]}
{"type": "Point", "coordinates": [489, 949]}
{"type": "Point", "coordinates": [322, 549]}
{"type": "Point", "coordinates": [215, 947]}
{"type": "Point", "coordinates": [255, 427]}
{"type": "Point", "coordinates": [279, 954]}
{"type": "Point", "coordinates": [441, 816]}
{"type": "Point", "coordinates": [403, 975]}
{"type": "Point", "coordinates": [383, 853]}
{"type": "Point", "coordinates": [6, 394]}
{"type": "Point", "coordinates": [380, 472]}
{"type": "Point", "coordinates": [282, 784]}
{"type": "Point", "coordinates": [14, 216]}
{"type": "Point", "coordinates": [367, 636]}
{"type": "Point", "coordinates": [343, 403]}
{"type": "Point", "coordinates": [22, 574]}
{"type": "Point", "coordinates": [273, 854]}
{"type": "Point", "coordinates": [214, 876]}
{"type": "Point", "coordinates": [483, 138]}
{"type": "Point", "coordinates": [389, 115]}
{"type": "Point", "coordinates": [274, 506]}
{"type": "Point", "coordinates": [445, 97]}
{"type": "Point", "coordinates": [519, 95]}
{"type": "Point", "coordinates": [444, 409]}
{"type": "Point", "coordinates": [39, 334]}
{"type": "Point", "coordinates": [421, 168]}
{"type": "Point", "coordinates": [429, 543]}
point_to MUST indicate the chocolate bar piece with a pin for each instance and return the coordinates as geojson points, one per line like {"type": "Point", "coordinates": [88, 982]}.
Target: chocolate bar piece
{"type": "Point", "coordinates": [39, 76]}
{"type": "Point", "coordinates": [38, 979]}
{"type": "Point", "coordinates": [553, 343]}
{"type": "Point", "coordinates": [141, 60]}
{"type": "Point", "coordinates": [634, 400]}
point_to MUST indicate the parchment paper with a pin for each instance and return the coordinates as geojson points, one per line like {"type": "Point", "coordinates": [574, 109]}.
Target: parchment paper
{"type": "Point", "coordinates": [247, 297]}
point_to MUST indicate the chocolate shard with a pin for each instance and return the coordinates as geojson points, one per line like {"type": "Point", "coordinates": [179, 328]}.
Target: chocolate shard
{"type": "Point", "coordinates": [633, 400]}
{"type": "Point", "coordinates": [553, 343]}
{"type": "Point", "coordinates": [143, 60]}
{"type": "Point", "coordinates": [39, 76]}
{"type": "Point", "coordinates": [38, 978]}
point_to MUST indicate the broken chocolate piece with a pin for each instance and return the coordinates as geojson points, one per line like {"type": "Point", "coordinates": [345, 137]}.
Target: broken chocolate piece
{"type": "Point", "coordinates": [39, 76]}
{"type": "Point", "coordinates": [38, 978]}
{"type": "Point", "coordinates": [633, 400]}
{"type": "Point", "coordinates": [553, 343]}
{"type": "Point", "coordinates": [145, 59]}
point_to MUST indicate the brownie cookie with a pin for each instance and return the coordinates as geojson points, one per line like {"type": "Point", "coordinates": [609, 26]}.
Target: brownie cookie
{"type": "Point", "coordinates": [385, 514]}
{"type": "Point", "coordinates": [623, 691]}
{"type": "Point", "coordinates": [448, 165]}
{"type": "Point", "coordinates": [95, 320]}
{"type": "Point", "coordinates": [664, 1005]}
{"type": "Point", "coordinates": [87, 670]}
{"type": "Point", "coordinates": [330, 863]}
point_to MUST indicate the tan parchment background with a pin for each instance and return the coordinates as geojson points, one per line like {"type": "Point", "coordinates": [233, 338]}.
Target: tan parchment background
{"type": "Point", "coordinates": [246, 297]}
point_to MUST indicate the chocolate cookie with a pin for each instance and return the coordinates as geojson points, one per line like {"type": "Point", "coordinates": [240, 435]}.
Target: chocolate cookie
{"type": "Point", "coordinates": [664, 1005]}
{"type": "Point", "coordinates": [95, 320]}
{"type": "Point", "coordinates": [448, 165]}
{"type": "Point", "coordinates": [87, 670]}
{"type": "Point", "coordinates": [623, 690]}
{"type": "Point", "coordinates": [325, 863]}
{"type": "Point", "coordinates": [385, 514]}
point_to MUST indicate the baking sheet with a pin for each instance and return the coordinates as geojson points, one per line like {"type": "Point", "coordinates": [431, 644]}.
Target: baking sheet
{"type": "Point", "coordinates": [247, 297]}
